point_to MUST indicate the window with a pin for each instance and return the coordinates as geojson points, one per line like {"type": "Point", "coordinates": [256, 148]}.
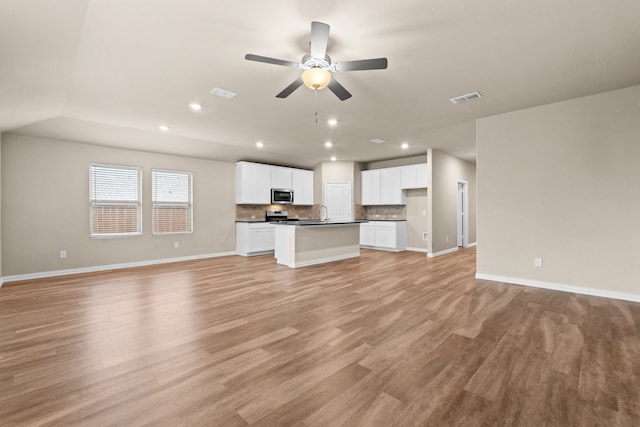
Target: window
{"type": "Point", "coordinates": [115, 200]}
{"type": "Point", "coordinates": [172, 201]}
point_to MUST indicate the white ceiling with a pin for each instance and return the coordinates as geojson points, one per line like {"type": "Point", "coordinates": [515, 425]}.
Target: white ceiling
{"type": "Point", "coordinates": [110, 71]}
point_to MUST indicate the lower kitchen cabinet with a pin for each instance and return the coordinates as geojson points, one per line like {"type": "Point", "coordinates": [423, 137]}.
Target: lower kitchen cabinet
{"type": "Point", "coordinates": [367, 234]}
{"type": "Point", "coordinates": [386, 235]}
{"type": "Point", "coordinates": [255, 238]}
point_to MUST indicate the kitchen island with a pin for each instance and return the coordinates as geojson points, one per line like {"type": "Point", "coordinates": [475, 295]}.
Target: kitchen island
{"type": "Point", "coordinates": [303, 243]}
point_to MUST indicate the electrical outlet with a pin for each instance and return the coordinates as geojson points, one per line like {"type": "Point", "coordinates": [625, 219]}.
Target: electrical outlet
{"type": "Point", "coordinates": [425, 236]}
{"type": "Point", "coordinates": [253, 217]}
{"type": "Point", "coordinates": [447, 239]}
{"type": "Point", "coordinates": [537, 262]}
{"type": "Point", "coordinates": [424, 213]}
{"type": "Point", "coordinates": [395, 216]}
{"type": "Point", "coordinates": [176, 245]}
{"type": "Point", "coordinates": [63, 254]}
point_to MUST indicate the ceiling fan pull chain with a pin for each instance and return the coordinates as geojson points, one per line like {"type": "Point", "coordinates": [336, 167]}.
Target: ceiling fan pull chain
{"type": "Point", "coordinates": [316, 96]}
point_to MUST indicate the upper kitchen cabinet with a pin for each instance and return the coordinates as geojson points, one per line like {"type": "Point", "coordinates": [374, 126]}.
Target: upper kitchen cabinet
{"type": "Point", "coordinates": [281, 177]}
{"type": "Point", "coordinates": [414, 176]}
{"type": "Point", "coordinates": [302, 184]}
{"type": "Point", "coordinates": [382, 187]}
{"type": "Point", "coordinates": [390, 190]}
{"type": "Point", "coordinates": [253, 183]}
{"type": "Point", "coordinates": [370, 185]}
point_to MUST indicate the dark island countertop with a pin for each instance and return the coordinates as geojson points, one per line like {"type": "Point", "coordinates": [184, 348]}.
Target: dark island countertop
{"type": "Point", "coordinates": [387, 220]}
{"type": "Point", "coordinates": [317, 222]}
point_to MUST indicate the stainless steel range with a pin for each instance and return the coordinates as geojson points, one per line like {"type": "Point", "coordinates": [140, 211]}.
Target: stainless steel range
{"type": "Point", "coordinates": [276, 216]}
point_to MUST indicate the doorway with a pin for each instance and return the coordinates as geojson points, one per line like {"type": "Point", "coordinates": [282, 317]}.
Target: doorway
{"type": "Point", "coordinates": [337, 198]}
{"type": "Point", "coordinates": [463, 214]}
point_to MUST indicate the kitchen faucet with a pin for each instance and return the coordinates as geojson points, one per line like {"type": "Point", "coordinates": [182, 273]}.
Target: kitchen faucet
{"type": "Point", "coordinates": [326, 213]}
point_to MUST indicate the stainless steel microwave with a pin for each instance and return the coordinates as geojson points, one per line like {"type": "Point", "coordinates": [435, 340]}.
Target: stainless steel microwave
{"type": "Point", "coordinates": [281, 196]}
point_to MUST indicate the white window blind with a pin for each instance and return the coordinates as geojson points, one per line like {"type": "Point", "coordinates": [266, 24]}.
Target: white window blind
{"type": "Point", "coordinates": [115, 200]}
{"type": "Point", "coordinates": [172, 201]}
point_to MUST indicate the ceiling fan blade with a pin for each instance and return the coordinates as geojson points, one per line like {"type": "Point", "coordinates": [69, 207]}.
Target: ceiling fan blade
{"type": "Point", "coordinates": [289, 89]}
{"type": "Point", "coordinates": [258, 58]}
{"type": "Point", "coordinates": [362, 64]}
{"type": "Point", "coordinates": [319, 39]}
{"type": "Point", "coordinates": [338, 89]}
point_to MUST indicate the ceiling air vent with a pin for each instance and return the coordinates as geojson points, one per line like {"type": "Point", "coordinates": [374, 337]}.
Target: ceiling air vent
{"type": "Point", "coordinates": [467, 97]}
{"type": "Point", "coordinates": [223, 93]}
{"type": "Point", "coordinates": [378, 140]}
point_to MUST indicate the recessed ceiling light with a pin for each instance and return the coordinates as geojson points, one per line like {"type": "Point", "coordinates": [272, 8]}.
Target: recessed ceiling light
{"type": "Point", "coordinates": [163, 128]}
{"type": "Point", "coordinates": [404, 146]}
{"type": "Point", "coordinates": [332, 122]}
{"type": "Point", "coordinates": [223, 93]}
{"type": "Point", "coordinates": [333, 158]}
{"type": "Point", "coordinates": [195, 106]}
{"type": "Point", "coordinates": [378, 140]}
{"type": "Point", "coordinates": [259, 144]}
{"type": "Point", "coordinates": [328, 144]}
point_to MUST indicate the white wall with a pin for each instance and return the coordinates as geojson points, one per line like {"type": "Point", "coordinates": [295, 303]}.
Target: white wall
{"type": "Point", "coordinates": [560, 182]}
{"type": "Point", "coordinates": [45, 207]}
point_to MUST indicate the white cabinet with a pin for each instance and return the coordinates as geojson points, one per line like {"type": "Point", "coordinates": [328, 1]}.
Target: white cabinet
{"type": "Point", "coordinates": [381, 187]}
{"type": "Point", "coordinates": [280, 177]}
{"type": "Point", "coordinates": [422, 176]}
{"type": "Point", "coordinates": [370, 185]}
{"type": "Point", "coordinates": [390, 189]}
{"type": "Point", "coordinates": [367, 234]}
{"type": "Point", "coordinates": [254, 238]}
{"type": "Point", "coordinates": [302, 185]}
{"type": "Point", "coordinates": [253, 183]}
{"type": "Point", "coordinates": [413, 176]}
{"type": "Point", "coordinates": [386, 235]}
{"type": "Point", "coordinates": [384, 186]}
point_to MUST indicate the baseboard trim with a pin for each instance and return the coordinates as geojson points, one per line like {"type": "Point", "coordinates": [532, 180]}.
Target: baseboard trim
{"type": "Point", "coordinates": [424, 250]}
{"type": "Point", "coordinates": [250, 254]}
{"type": "Point", "coordinates": [561, 287]}
{"type": "Point", "coordinates": [323, 260]}
{"type": "Point", "coordinates": [470, 245]}
{"type": "Point", "coordinates": [445, 252]}
{"type": "Point", "coordinates": [97, 268]}
{"type": "Point", "coordinates": [380, 248]}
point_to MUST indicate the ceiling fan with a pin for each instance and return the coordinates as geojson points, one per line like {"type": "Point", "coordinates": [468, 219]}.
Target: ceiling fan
{"type": "Point", "coordinates": [317, 65]}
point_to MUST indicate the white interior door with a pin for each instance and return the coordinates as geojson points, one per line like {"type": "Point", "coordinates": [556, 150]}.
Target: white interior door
{"type": "Point", "coordinates": [337, 197]}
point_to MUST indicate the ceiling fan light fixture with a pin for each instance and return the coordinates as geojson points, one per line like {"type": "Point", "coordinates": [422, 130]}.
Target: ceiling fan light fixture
{"type": "Point", "coordinates": [316, 78]}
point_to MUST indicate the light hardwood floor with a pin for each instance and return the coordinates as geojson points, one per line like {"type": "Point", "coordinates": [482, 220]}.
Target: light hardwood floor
{"type": "Point", "coordinates": [386, 339]}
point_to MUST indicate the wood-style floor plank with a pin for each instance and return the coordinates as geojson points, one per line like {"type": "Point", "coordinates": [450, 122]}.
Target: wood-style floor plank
{"type": "Point", "coordinates": [387, 339]}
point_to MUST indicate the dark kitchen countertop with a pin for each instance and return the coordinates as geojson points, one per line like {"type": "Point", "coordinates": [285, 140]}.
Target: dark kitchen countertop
{"type": "Point", "coordinates": [316, 222]}
{"type": "Point", "coordinates": [292, 221]}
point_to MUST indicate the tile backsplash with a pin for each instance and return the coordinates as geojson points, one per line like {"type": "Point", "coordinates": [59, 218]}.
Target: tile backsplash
{"type": "Point", "coordinates": [257, 212]}
{"type": "Point", "coordinates": [381, 212]}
